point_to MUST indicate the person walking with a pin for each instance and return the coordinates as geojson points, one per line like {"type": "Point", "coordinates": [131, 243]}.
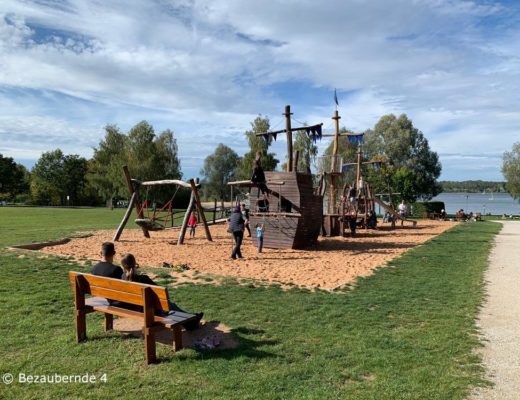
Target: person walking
{"type": "Point", "coordinates": [236, 226]}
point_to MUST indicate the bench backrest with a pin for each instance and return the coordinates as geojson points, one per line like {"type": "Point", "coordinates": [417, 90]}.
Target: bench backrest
{"type": "Point", "coordinates": [120, 290]}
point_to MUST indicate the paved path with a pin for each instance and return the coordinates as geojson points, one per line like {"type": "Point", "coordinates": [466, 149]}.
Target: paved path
{"type": "Point", "coordinates": [500, 317]}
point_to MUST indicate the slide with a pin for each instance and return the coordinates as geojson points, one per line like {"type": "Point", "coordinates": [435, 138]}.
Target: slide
{"type": "Point", "coordinates": [388, 208]}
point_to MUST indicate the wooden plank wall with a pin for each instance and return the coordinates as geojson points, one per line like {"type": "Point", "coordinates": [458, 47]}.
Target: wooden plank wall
{"type": "Point", "coordinates": [289, 232]}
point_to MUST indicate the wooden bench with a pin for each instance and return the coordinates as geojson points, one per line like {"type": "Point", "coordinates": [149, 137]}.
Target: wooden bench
{"type": "Point", "coordinates": [151, 298]}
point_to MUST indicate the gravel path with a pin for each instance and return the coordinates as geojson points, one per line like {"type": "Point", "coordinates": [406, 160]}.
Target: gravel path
{"type": "Point", "coordinates": [500, 317]}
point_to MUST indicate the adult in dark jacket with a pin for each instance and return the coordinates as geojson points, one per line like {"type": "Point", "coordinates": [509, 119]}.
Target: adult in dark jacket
{"type": "Point", "coordinates": [106, 266]}
{"type": "Point", "coordinates": [236, 226]}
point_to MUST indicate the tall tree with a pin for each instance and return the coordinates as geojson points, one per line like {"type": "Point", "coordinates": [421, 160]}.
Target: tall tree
{"type": "Point", "coordinates": [14, 178]}
{"type": "Point", "coordinates": [219, 169]}
{"type": "Point", "coordinates": [257, 144]}
{"type": "Point", "coordinates": [511, 170]}
{"type": "Point", "coordinates": [106, 166]}
{"type": "Point", "coordinates": [148, 156]}
{"type": "Point", "coordinates": [56, 176]}
{"type": "Point", "coordinates": [411, 167]}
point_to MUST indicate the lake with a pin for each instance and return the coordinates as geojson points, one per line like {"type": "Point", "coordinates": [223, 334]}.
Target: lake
{"type": "Point", "coordinates": [494, 203]}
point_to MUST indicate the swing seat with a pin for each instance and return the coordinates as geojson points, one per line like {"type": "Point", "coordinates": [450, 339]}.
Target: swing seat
{"type": "Point", "coordinates": [149, 224]}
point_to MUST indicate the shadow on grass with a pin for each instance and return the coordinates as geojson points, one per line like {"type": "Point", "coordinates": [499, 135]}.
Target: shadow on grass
{"type": "Point", "coordinates": [233, 343]}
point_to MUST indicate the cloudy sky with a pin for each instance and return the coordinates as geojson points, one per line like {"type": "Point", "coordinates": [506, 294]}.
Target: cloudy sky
{"type": "Point", "coordinates": [205, 69]}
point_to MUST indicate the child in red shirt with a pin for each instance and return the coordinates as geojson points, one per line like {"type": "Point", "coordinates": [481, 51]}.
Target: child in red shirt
{"type": "Point", "coordinates": [192, 223]}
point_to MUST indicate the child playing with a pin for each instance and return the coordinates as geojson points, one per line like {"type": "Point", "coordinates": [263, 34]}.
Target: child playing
{"type": "Point", "coordinates": [192, 223]}
{"type": "Point", "coordinates": [260, 236]}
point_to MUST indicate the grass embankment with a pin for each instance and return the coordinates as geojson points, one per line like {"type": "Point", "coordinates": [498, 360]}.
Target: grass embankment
{"type": "Point", "coordinates": [407, 332]}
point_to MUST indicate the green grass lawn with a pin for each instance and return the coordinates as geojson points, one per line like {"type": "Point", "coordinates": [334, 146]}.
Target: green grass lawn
{"type": "Point", "coordinates": [407, 332]}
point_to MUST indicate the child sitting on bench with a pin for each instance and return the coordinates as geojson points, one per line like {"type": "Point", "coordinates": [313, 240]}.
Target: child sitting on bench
{"type": "Point", "coordinates": [130, 266]}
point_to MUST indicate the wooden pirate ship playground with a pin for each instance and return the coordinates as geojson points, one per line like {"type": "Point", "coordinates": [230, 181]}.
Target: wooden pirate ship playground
{"type": "Point", "coordinates": [293, 207]}
{"type": "Point", "coordinates": [290, 210]}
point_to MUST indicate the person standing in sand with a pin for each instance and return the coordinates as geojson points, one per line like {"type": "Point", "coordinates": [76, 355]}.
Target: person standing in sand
{"type": "Point", "coordinates": [245, 215]}
{"type": "Point", "coordinates": [236, 227]}
{"type": "Point", "coordinates": [402, 211]}
{"type": "Point", "coordinates": [192, 223]}
{"type": "Point", "coordinates": [260, 236]}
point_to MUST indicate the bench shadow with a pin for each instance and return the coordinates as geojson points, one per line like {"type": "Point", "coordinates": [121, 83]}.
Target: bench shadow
{"type": "Point", "coordinates": [232, 343]}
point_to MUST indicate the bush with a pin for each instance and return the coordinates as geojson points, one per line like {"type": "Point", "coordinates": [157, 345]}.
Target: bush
{"type": "Point", "coordinates": [422, 208]}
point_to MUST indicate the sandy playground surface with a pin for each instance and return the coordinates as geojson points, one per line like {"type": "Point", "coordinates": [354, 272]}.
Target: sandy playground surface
{"type": "Point", "coordinates": [333, 263]}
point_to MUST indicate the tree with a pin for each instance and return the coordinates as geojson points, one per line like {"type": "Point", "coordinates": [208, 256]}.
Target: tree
{"type": "Point", "coordinates": [307, 149]}
{"type": "Point", "coordinates": [511, 170]}
{"type": "Point", "coordinates": [257, 144]}
{"type": "Point", "coordinates": [105, 169]}
{"type": "Point", "coordinates": [148, 156]}
{"type": "Point", "coordinates": [411, 167]}
{"type": "Point", "coordinates": [219, 169]}
{"type": "Point", "coordinates": [56, 176]}
{"type": "Point", "coordinates": [14, 178]}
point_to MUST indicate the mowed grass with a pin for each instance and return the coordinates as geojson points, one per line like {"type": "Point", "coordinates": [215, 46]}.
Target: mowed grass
{"type": "Point", "coordinates": [407, 332]}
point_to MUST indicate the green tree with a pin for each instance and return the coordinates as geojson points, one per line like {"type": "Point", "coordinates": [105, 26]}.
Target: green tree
{"type": "Point", "coordinates": [56, 176]}
{"type": "Point", "coordinates": [14, 178]}
{"type": "Point", "coordinates": [411, 167]}
{"type": "Point", "coordinates": [219, 169]}
{"type": "Point", "coordinates": [511, 170]}
{"type": "Point", "coordinates": [257, 144]}
{"type": "Point", "coordinates": [148, 156]}
{"type": "Point", "coordinates": [106, 167]}
{"type": "Point", "coordinates": [307, 149]}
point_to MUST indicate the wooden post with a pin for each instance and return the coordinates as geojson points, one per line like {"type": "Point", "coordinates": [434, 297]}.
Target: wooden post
{"type": "Point", "coordinates": [79, 310]}
{"type": "Point", "coordinates": [333, 193]}
{"type": "Point", "coordinates": [130, 186]}
{"type": "Point", "coordinates": [358, 170]}
{"type": "Point", "coordinates": [109, 322]}
{"type": "Point", "coordinates": [215, 211]}
{"type": "Point", "coordinates": [148, 329]}
{"type": "Point", "coordinates": [200, 209]}
{"type": "Point", "coordinates": [126, 217]}
{"type": "Point", "coordinates": [177, 338]}
{"type": "Point", "coordinates": [289, 137]}
{"type": "Point", "coordinates": [184, 225]}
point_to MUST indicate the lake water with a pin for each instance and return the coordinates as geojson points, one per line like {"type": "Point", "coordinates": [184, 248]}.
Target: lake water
{"type": "Point", "coordinates": [495, 203]}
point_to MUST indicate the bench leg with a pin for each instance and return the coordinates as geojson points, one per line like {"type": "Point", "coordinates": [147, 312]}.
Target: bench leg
{"type": "Point", "coordinates": [177, 337]}
{"type": "Point", "coordinates": [81, 325]}
{"type": "Point", "coordinates": [109, 322]}
{"type": "Point", "coordinates": [149, 345]}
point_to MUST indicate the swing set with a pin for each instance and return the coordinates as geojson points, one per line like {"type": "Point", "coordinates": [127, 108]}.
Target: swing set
{"type": "Point", "coordinates": [160, 219]}
{"type": "Point", "coordinates": [157, 219]}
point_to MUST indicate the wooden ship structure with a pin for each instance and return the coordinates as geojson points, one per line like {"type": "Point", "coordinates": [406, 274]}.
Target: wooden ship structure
{"type": "Point", "coordinates": [290, 211]}
{"type": "Point", "coordinates": [344, 210]}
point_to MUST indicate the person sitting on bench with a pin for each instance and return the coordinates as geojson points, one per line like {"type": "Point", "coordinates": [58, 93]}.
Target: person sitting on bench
{"type": "Point", "coordinates": [106, 266]}
{"type": "Point", "coordinates": [130, 266]}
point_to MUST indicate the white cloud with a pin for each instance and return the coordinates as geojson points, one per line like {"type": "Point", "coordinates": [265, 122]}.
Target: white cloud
{"type": "Point", "coordinates": [205, 68]}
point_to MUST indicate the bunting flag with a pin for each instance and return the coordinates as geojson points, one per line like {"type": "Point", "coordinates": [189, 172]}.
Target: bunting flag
{"type": "Point", "coordinates": [266, 136]}
{"type": "Point", "coordinates": [355, 139]}
{"type": "Point", "coordinates": [346, 167]}
{"type": "Point", "coordinates": [314, 132]}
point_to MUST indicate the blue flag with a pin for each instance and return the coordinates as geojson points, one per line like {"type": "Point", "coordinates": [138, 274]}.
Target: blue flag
{"type": "Point", "coordinates": [336, 98]}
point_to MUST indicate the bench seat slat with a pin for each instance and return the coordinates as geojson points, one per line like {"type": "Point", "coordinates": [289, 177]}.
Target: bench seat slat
{"type": "Point", "coordinates": [101, 304]}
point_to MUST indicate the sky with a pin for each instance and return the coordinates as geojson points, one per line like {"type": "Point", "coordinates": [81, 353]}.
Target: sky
{"type": "Point", "coordinates": [205, 69]}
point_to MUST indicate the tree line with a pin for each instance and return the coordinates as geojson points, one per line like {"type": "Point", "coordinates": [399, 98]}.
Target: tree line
{"type": "Point", "coordinates": [407, 165]}
{"type": "Point", "coordinates": [477, 186]}
{"type": "Point", "coordinates": [58, 179]}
